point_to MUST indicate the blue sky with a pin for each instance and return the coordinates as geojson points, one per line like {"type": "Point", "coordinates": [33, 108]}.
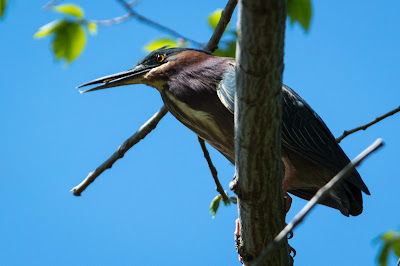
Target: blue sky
{"type": "Point", "coordinates": [151, 208]}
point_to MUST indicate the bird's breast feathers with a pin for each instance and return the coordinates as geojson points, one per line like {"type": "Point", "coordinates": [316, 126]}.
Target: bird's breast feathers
{"type": "Point", "coordinates": [198, 121]}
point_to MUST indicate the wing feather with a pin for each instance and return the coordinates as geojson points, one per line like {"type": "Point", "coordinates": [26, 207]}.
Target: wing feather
{"type": "Point", "coordinates": [303, 131]}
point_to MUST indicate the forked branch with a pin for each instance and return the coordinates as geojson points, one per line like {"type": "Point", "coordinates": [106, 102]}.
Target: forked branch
{"type": "Point", "coordinates": [226, 15]}
{"type": "Point", "coordinates": [135, 138]}
{"type": "Point", "coordinates": [156, 25]}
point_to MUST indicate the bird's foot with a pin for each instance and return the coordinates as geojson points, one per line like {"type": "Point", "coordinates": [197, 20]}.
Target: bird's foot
{"type": "Point", "coordinates": [291, 250]}
{"type": "Point", "coordinates": [291, 257]}
{"type": "Point", "coordinates": [240, 248]}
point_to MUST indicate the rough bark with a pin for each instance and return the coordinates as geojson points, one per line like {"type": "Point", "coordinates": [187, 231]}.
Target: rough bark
{"type": "Point", "coordinates": [261, 30]}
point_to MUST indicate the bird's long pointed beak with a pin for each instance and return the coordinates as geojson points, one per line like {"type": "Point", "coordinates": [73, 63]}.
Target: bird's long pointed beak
{"type": "Point", "coordinates": [132, 76]}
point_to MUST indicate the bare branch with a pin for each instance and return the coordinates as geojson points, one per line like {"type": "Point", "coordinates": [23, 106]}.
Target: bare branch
{"type": "Point", "coordinates": [364, 127]}
{"type": "Point", "coordinates": [214, 173]}
{"type": "Point", "coordinates": [135, 138]}
{"type": "Point", "coordinates": [211, 46]}
{"type": "Point", "coordinates": [133, 2]}
{"type": "Point", "coordinates": [317, 198]}
{"type": "Point", "coordinates": [112, 21]}
{"type": "Point", "coordinates": [50, 4]}
{"type": "Point", "coordinates": [226, 15]}
{"type": "Point", "coordinates": [156, 24]}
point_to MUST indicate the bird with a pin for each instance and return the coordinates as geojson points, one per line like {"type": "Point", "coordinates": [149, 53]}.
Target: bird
{"type": "Point", "coordinates": [198, 89]}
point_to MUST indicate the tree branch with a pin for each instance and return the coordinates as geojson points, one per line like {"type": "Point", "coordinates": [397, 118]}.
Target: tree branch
{"type": "Point", "coordinates": [213, 171]}
{"type": "Point", "coordinates": [50, 4]}
{"type": "Point", "coordinates": [112, 21]}
{"type": "Point", "coordinates": [135, 138]}
{"type": "Point", "coordinates": [321, 193]}
{"type": "Point", "coordinates": [157, 25]}
{"type": "Point", "coordinates": [211, 46]}
{"type": "Point", "coordinates": [226, 15]}
{"type": "Point", "coordinates": [259, 68]}
{"type": "Point", "coordinates": [364, 127]}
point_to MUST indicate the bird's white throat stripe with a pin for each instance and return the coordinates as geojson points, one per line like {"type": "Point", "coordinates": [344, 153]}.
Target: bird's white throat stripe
{"type": "Point", "coordinates": [195, 117]}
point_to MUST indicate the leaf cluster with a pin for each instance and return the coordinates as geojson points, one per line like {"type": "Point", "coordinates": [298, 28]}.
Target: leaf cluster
{"type": "Point", "coordinates": [3, 4]}
{"type": "Point", "coordinates": [69, 36]}
{"type": "Point", "coordinates": [216, 201]}
{"type": "Point", "coordinates": [299, 11]}
{"type": "Point", "coordinates": [391, 243]}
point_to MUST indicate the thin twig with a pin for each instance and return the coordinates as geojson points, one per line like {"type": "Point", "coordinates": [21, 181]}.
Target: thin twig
{"type": "Point", "coordinates": [133, 2]}
{"type": "Point", "coordinates": [50, 4]}
{"type": "Point", "coordinates": [116, 20]}
{"type": "Point", "coordinates": [135, 138]}
{"type": "Point", "coordinates": [314, 200]}
{"type": "Point", "coordinates": [211, 46]}
{"type": "Point", "coordinates": [156, 24]}
{"type": "Point", "coordinates": [112, 21]}
{"type": "Point", "coordinates": [226, 15]}
{"type": "Point", "coordinates": [214, 173]}
{"type": "Point", "coordinates": [364, 127]}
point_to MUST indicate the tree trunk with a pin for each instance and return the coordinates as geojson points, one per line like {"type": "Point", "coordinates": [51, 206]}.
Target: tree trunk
{"type": "Point", "coordinates": [259, 55]}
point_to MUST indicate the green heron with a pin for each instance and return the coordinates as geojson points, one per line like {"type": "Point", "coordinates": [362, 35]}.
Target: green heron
{"type": "Point", "coordinates": [198, 89]}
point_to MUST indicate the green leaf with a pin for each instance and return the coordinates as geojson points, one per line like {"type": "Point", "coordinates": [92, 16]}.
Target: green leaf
{"type": "Point", "coordinates": [214, 18]}
{"type": "Point", "coordinates": [70, 9]}
{"type": "Point", "coordinates": [48, 28]}
{"type": "Point", "coordinates": [396, 247]}
{"type": "Point", "coordinates": [69, 40]}
{"type": "Point", "coordinates": [215, 205]}
{"type": "Point", "coordinates": [158, 43]}
{"type": "Point", "coordinates": [391, 242]}
{"type": "Point", "coordinates": [3, 4]}
{"type": "Point", "coordinates": [300, 11]}
{"type": "Point", "coordinates": [388, 236]}
{"type": "Point", "coordinates": [92, 27]}
{"type": "Point", "coordinates": [384, 255]}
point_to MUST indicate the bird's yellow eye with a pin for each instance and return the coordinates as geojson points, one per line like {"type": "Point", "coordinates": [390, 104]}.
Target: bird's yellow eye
{"type": "Point", "coordinates": [160, 58]}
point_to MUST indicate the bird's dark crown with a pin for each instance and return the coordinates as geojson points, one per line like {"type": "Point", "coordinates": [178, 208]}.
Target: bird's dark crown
{"type": "Point", "coordinates": [167, 52]}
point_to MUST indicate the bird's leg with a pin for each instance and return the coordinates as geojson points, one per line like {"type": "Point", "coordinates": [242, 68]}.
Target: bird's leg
{"type": "Point", "coordinates": [237, 229]}
{"type": "Point", "coordinates": [238, 245]}
{"type": "Point", "coordinates": [290, 175]}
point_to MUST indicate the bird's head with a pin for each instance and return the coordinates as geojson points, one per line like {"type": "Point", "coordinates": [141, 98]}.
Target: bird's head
{"type": "Point", "coordinates": [153, 70]}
